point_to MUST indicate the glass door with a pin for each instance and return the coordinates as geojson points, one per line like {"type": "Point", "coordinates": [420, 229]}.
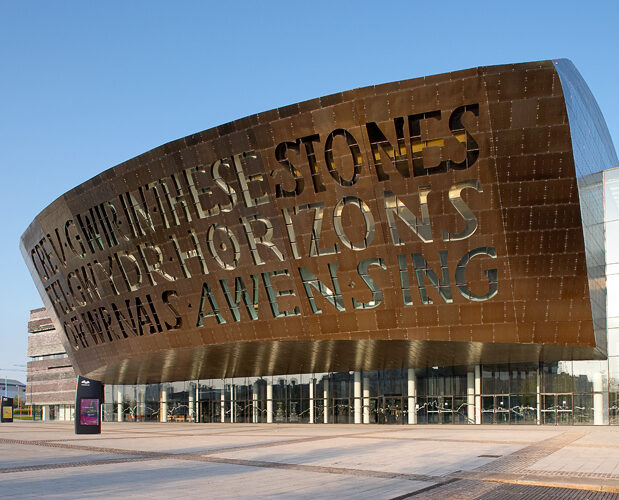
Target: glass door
{"type": "Point", "coordinates": [487, 409]}
{"type": "Point", "coordinates": [319, 410]}
{"type": "Point", "coordinates": [210, 411]}
{"type": "Point", "coordinates": [392, 410]}
{"type": "Point", "coordinates": [501, 412]}
{"type": "Point", "coordinates": [557, 409]}
{"type": "Point", "coordinates": [523, 409]}
{"type": "Point", "coordinates": [495, 409]}
{"type": "Point", "coordinates": [446, 409]}
{"type": "Point", "coordinates": [460, 411]}
{"type": "Point", "coordinates": [279, 408]}
{"type": "Point", "coordinates": [433, 410]}
{"type": "Point", "coordinates": [294, 410]}
{"type": "Point", "coordinates": [243, 411]}
{"type": "Point", "coordinates": [613, 408]}
{"type": "Point", "coordinates": [341, 411]}
{"type": "Point", "coordinates": [564, 409]}
{"type": "Point", "coordinates": [583, 409]}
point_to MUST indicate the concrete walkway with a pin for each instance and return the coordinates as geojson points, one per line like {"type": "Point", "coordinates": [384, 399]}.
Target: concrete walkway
{"type": "Point", "coordinates": [152, 460]}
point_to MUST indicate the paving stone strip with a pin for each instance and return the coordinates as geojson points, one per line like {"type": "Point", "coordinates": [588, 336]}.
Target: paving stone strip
{"type": "Point", "coordinates": [97, 449]}
{"type": "Point", "coordinates": [562, 473]}
{"type": "Point", "coordinates": [478, 490]}
{"type": "Point", "coordinates": [522, 459]}
{"type": "Point", "coordinates": [313, 468]}
{"type": "Point", "coordinates": [427, 489]}
{"type": "Point", "coordinates": [199, 457]}
{"type": "Point", "coordinates": [439, 440]}
{"type": "Point", "coordinates": [63, 444]}
{"type": "Point", "coordinates": [65, 465]}
{"type": "Point", "coordinates": [529, 492]}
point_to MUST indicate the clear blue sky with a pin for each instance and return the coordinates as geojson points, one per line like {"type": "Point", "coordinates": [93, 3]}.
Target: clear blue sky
{"type": "Point", "coordinates": [87, 85]}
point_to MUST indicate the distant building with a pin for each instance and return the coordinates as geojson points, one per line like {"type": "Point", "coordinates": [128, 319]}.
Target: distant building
{"type": "Point", "coordinates": [51, 379]}
{"type": "Point", "coordinates": [12, 388]}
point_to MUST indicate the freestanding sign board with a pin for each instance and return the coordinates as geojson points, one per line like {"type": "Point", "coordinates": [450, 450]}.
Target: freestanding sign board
{"type": "Point", "coordinates": [7, 409]}
{"type": "Point", "coordinates": [88, 399]}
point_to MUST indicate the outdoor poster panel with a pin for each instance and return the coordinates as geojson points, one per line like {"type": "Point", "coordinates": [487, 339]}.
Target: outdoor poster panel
{"type": "Point", "coordinates": [7, 412]}
{"type": "Point", "coordinates": [7, 409]}
{"type": "Point", "coordinates": [88, 399]}
{"type": "Point", "coordinates": [89, 412]}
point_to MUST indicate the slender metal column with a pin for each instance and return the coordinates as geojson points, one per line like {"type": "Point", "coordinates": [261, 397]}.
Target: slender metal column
{"type": "Point", "coordinates": [254, 404]}
{"type": "Point", "coordinates": [119, 404]}
{"type": "Point", "coordinates": [412, 397]}
{"type": "Point", "coordinates": [366, 400]}
{"type": "Point", "coordinates": [269, 403]}
{"type": "Point", "coordinates": [232, 403]}
{"type": "Point", "coordinates": [539, 396]}
{"type": "Point", "coordinates": [325, 397]}
{"type": "Point", "coordinates": [197, 400]}
{"type": "Point", "coordinates": [222, 404]}
{"type": "Point", "coordinates": [477, 394]}
{"type": "Point", "coordinates": [311, 400]}
{"type": "Point", "coordinates": [600, 401]}
{"type": "Point", "coordinates": [470, 396]}
{"type": "Point", "coordinates": [192, 404]}
{"type": "Point", "coordinates": [357, 396]}
{"type": "Point", "coordinates": [163, 404]}
{"type": "Point", "coordinates": [139, 411]}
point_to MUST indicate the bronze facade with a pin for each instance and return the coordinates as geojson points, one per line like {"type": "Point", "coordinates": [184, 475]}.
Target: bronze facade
{"type": "Point", "coordinates": [430, 221]}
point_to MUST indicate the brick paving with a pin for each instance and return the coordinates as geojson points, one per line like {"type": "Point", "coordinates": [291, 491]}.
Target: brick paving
{"type": "Point", "coordinates": [468, 490]}
{"type": "Point", "coordinates": [46, 460]}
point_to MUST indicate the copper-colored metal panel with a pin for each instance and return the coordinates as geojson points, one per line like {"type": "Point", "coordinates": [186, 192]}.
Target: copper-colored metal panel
{"type": "Point", "coordinates": [427, 221]}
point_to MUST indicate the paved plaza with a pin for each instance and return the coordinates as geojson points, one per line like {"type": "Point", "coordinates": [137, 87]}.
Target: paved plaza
{"type": "Point", "coordinates": [308, 461]}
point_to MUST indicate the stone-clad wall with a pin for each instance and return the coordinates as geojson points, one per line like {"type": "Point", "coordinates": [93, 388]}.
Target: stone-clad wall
{"type": "Point", "coordinates": [44, 343]}
{"type": "Point", "coordinates": [49, 380]}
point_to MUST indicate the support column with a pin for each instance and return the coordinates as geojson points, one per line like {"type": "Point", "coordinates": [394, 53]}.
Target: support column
{"type": "Point", "coordinates": [412, 396]}
{"type": "Point", "coordinates": [311, 401]}
{"type": "Point", "coordinates": [478, 394]}
{"type": "Point", "coordinates": [539, 397]}
{"type": "Point", "coordinates": [254, 404]}
{"type": "Point", "coordinates": [357, 396]}
{"type": "Point", "coordinates": [163, 405]}
{"type": "Point", "coordinates": [269, 403]}
{"type": "Point", "coordinates": [197, 401]}
{"type": "Point", "coordinates": [192, 403]}
{"type": "Point", "coordinates": [119, 404]}
{"type": "Point", "coordinates": [470, 396]}
{"type": "Point", "coordinates": [600, 401]}
{"type": "Point", "coordinates": [44, 413]}
{"type": "Point", "coordinates": [232, 403]}
{"type": "Point", "coordinates": [139, 411]}
{"type": "Point", "coordinates": [222, 404]}
{"type": "Point", "coordinates": [325, 398]}
{"type": "Point", "coordinates": [366, 400]}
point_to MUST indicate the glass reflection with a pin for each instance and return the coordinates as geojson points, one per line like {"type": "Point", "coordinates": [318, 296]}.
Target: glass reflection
{"type": "Point", "coordinates": [570, 393]}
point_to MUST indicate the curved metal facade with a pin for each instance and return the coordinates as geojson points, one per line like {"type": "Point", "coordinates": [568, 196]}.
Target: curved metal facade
{"type": "Point", "coordinates": [421, 222]}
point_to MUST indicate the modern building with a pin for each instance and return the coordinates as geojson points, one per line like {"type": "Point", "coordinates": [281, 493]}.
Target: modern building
{"type": "Point", "coordinates": [51, 379]}
{"type": "Point", "coordinates": [435, 250]}
{"type": "Point", "coordinates": [12, 388]}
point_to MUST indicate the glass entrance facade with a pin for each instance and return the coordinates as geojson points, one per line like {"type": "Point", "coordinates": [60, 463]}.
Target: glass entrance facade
{"type": "Point", "coordinates": [560, 393]}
